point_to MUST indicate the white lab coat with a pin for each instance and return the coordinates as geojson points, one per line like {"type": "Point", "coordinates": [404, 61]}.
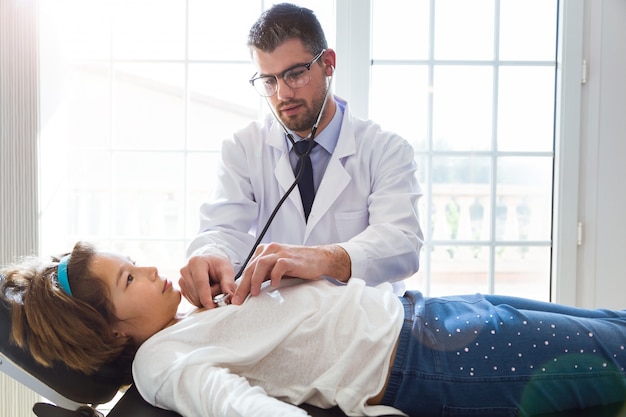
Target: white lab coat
{"type": "Point", "coordinates": [366, 201]}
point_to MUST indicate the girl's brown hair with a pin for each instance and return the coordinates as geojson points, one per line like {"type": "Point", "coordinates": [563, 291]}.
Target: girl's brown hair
{"type": "Point", "coordinates": [55, 326]}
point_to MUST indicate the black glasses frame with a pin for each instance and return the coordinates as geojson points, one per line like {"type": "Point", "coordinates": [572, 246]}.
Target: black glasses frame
{"type": "Point", "coordinates": [260, 88]}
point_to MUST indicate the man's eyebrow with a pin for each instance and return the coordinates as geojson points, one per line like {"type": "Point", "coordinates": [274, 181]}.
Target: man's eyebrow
{"type": "Point", "coordinates": [283, 71]}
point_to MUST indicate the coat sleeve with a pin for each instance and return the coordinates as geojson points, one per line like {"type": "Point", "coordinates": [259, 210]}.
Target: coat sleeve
{"type": "Point", "coordinates": [388, 248]}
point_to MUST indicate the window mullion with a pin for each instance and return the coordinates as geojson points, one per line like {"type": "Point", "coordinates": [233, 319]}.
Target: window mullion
{"type": "Point", "coordinates": [353, 24]}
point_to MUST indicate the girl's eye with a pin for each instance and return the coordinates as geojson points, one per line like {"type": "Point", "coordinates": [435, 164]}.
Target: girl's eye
{"type": "Point", "coordinates": [129, 279]}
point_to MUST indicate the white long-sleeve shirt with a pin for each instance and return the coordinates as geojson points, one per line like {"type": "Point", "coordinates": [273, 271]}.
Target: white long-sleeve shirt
{"type": "Point", "coordinates": [306, 341]}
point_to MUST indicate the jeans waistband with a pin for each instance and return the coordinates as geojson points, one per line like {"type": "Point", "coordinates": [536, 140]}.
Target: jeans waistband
{"type": "Point", "coordinates": [395, 376]}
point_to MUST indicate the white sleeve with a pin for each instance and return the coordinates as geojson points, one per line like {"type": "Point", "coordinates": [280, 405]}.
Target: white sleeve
{"type": "Point", "coordinates": [207, 391]}
{"type": "Point", "coordinates": [388, 249]}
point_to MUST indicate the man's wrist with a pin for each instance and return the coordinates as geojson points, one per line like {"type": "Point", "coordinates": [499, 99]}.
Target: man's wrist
{"type": "Point", "coordinates": [338, 263]}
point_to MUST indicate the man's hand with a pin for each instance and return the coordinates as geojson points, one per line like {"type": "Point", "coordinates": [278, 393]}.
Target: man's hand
{"type": "Point", "coordinates": [274, 261]}
{"type": "Point", "coordinates": [205, 276]}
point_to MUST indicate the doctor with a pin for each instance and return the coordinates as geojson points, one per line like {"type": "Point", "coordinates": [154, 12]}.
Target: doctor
{"type": "Point", "coordinates": [363, 221]}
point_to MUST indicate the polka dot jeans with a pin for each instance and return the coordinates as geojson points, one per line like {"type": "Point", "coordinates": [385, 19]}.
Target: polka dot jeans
{"type": "Point", "coordinates": [493, 356]}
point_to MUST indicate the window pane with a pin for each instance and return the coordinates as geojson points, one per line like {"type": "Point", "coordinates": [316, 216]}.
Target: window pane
{"type": "Point", "coordinates": [201, 169]}
{"type": "Point", "coordinates": [148, 198]}
{"type": "Point", "coordinates": [221, 101]}
{"type": "Point", "coordinates": [526, 109]}
{"type": "Point", "coordinates": [462, 108]}
{"type": "Point", "coordinates": [528, 29]}
{"type": "Point", "coordinates": [88, 105]}
{"type": "Point", "coordinates": [154, 30]}
{"type": "Point", "coordinates": [460, 270]}
{"type": "Point", "coordinates": [399, 99]}
{"type": "Point", "coordinates": [89, 194]}
{"type": "Point", "coordinates": [523, 271]}
{"type": "Point", "coordinates": [211, 39]}
{"type": "Point", "coordinates": [78, 29]}
{"type": "Point", "coordinates": [461, 198]}
{"type": "Point", "coordinates": [524, 199]}
{"type": "Point", "coordinates": [149, 106]}
{"type": "Point", "coordinates": [400, 29]}
{"type": "Point", "coordinates": [464, 29]}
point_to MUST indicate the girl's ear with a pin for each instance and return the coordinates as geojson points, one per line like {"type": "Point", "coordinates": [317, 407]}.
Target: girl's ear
{"type": "Point", "coordinates": [117, 332]}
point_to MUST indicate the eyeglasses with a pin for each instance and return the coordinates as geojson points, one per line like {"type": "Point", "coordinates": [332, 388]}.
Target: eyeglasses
{"type": "Point", "coordinates": [295, 77]}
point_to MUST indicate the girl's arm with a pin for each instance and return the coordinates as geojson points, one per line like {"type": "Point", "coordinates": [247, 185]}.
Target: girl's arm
{"type": "Point", "coordinates": [204, 390]}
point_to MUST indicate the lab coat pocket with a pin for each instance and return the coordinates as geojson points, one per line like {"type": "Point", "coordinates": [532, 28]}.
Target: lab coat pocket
{"type": "Point", "coordinates": [350, 224]}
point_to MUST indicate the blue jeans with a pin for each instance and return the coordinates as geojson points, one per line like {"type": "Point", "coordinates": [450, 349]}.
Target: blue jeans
{"type": "Point", "coordinates": [493, 356]}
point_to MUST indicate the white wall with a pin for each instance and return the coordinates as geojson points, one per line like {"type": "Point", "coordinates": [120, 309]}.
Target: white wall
{"type": "Point", "coordinates": [601, 280]}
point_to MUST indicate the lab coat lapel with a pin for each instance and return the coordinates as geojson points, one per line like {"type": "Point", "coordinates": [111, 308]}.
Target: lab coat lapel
{"type": "Point", "coordinates": [283, 171]}
{"type": "Point", "coordinates": [335, 179]}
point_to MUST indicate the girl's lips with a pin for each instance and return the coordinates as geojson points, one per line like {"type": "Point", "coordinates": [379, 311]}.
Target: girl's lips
{"type": "Point", "coordinates": [166, 285]}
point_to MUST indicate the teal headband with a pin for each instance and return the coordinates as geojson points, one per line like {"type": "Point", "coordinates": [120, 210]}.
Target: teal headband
{"type": "Point", "coordinates": [62, 275]}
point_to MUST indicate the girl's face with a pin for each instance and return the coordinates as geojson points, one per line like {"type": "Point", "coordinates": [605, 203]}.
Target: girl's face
{"type": "Point", "coordinates": [144, 302]}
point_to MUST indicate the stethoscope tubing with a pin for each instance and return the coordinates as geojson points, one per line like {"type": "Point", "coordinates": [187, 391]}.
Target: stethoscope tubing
{"type": "Point", "coordinates": [298, 174]}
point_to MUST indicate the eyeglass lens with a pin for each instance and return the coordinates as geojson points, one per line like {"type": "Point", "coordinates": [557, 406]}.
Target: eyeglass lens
{"type": "Point", "coordinates": [295, 78]}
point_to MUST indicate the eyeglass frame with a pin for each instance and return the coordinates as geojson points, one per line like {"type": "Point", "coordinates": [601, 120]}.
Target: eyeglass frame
{"type": "Point", "coordinates": [282, 75]}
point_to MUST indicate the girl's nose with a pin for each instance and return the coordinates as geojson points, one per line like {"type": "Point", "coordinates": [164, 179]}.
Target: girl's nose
{"type": "Point", "coordinates": [152, 273]}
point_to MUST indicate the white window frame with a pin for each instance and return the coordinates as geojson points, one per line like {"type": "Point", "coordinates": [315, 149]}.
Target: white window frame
{"type": "Point", "coordinates": [567, 152]}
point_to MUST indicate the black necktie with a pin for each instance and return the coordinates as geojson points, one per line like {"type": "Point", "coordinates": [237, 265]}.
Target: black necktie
{"type": "Point", "coordinates": [307, 189]}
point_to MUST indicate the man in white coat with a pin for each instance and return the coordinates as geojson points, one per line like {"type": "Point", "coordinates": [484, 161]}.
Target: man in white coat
{"type": "Point", "coordinates": [363, 221]}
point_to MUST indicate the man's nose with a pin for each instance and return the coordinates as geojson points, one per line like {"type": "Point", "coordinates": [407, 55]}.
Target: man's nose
{"type": "Point", "coordinates": [283, 90]}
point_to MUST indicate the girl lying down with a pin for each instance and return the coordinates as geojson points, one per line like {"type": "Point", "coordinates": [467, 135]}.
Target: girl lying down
{"type": "Point", "coordinates": [361, 348]}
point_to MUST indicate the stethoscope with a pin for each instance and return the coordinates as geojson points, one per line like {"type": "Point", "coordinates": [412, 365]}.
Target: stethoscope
{"type": "Point", "coordinates": [298, 174]}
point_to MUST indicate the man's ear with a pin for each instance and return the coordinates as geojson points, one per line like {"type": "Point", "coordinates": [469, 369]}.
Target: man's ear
{"type": "Point", "coordinates": [329, 60]}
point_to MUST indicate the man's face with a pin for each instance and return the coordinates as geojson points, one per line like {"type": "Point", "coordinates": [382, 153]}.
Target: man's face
{"type": "Point", "coordinates": [297, 108]}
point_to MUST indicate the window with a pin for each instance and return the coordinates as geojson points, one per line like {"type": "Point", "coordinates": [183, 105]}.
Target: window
{"type": "Point", "coordinates": [473, 89]}
{"type": "Point", "coordinates": [137, 97]}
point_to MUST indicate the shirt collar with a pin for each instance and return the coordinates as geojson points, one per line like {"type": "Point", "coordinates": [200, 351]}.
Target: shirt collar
{"type": "Point", "coordinates": [328, 137]}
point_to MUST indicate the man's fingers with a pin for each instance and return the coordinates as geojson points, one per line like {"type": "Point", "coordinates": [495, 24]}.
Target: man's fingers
{"type": "Point", "coordinates": [282, 267]}
{"type": "Point", "coordinates": [191, 296]}
{"type": "Point", "coordinates": [201, 282]}
{"type": "Point", "coordinates": [258, 271]}
{"type": "Point", "coordinates": [241, 291]}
